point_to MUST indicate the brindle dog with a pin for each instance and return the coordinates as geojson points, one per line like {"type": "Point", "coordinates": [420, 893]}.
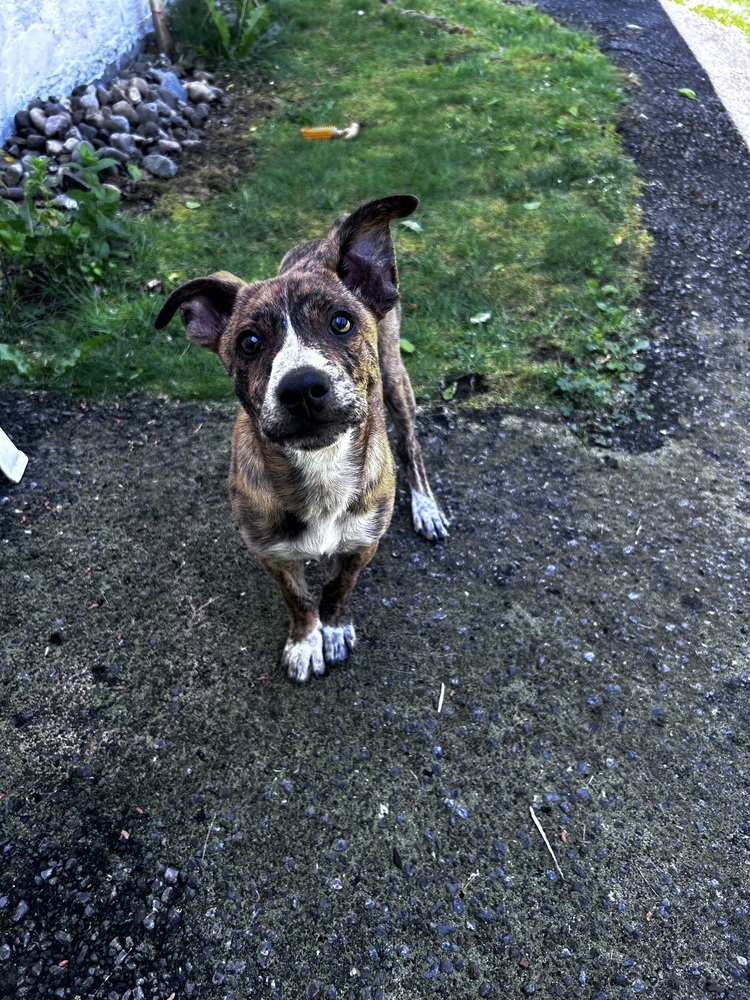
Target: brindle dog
{"type": "Point", "coordinates": [312, 355]}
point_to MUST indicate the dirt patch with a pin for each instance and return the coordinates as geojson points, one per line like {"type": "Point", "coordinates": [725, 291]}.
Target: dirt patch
{"type": "Point", "coordinates": [225, 156]}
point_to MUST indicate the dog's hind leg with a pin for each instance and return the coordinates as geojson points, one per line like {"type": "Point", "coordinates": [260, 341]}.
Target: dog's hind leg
{"type": "Point", "coordinates": [339, 637]}
{"type": "Point", "coordinates": [428, 518]}
{"type": "Point", "coordinates": [303, 652]}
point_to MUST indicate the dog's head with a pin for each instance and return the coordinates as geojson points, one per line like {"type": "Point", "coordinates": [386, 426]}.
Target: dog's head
{"type": "Point", "coordinates": [301, 349]}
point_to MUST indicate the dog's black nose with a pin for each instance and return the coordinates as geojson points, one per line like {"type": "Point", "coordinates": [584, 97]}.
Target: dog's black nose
{"type": "Point", "coordinates": [304, 391]}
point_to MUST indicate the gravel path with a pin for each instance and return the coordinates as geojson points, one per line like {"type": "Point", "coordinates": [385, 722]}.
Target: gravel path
{"type": "Point", "coordinates": [179, 820]}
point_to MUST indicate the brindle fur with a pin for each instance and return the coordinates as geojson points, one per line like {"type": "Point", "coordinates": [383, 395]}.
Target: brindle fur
{"type": "Point", "coordinates": [308, 483]}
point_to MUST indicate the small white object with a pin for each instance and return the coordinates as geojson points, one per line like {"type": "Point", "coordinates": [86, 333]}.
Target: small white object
{"type": "Point", "coordinates": [12, 460]}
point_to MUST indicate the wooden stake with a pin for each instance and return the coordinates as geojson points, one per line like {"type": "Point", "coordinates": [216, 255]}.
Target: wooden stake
{"type": "Point", "coordinates": [164, 41]}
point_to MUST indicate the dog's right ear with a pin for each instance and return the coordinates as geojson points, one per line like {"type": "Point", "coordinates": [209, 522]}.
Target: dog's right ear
{"type": "Point", "coordinates": [205, 305]}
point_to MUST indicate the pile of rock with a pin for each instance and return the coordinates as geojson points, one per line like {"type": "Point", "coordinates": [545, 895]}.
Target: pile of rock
{"type": "Point", "coordinates": [146, 117]}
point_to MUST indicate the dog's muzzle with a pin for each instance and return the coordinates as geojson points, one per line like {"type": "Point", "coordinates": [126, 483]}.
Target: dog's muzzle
{"type": "Point", "coordinates": [304, 394]}
{"type": "Point", "coordinates": [307, 410]}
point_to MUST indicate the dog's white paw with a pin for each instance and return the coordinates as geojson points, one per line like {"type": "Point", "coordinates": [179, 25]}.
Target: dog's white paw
{"type": "Point", "coordinates": [338, 640]}
{"type": "Point", "coordinates": [429, 520]}
{"type": "Point", "coordinates": [304, 658]}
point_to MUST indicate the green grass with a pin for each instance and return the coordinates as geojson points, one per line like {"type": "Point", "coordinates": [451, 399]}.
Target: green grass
{"type": "Point", "coordinates": [528, 208]}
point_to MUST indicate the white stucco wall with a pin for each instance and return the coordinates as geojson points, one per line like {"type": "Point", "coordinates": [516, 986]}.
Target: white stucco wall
{"type": "Point", "coordinates": [47, 47]}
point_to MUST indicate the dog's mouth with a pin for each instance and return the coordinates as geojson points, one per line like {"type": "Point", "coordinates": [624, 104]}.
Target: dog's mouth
{"type": "Point", "coordinates": [311, 436]}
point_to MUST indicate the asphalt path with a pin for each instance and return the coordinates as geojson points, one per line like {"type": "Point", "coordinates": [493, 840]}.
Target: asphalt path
{"type": "Point", "coordinates": [532, 776]}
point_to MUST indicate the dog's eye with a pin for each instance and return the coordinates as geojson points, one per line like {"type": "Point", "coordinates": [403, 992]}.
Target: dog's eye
{"type": "Point", "coordinates": [248, 344]}
{"type": "Point", "coordinates": [341, 324]}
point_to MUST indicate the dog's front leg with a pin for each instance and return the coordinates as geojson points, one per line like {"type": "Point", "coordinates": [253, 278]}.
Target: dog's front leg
{"type": "Point", "coordinates": [303, 652]}
{"type": "Point", "coordinates": [339, 636]}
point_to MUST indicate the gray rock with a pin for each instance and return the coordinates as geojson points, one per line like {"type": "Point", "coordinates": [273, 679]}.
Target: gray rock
{"type": "Point", "coordinates": [71, 143]}
{"type": "Point", "coordinates": [127, 143]}
{"type": "Point", "coordinates": [36, 143]}
{"type": "Point", "coordinates": [13, 194]}
{"type": "Point", "coordinates": [88, 99]}
{"type": "Point", "coordinates": [124, 109]}
{"type": "Point", "coordinates": [57, 124]}
{"type": "Point", "coordinates": [170, 82]}
{"type": "Point", "coordinates": [102, 95]}
{"type": "Point", "coordinates": [140, 84]}
{"type": "Point", "coordinates": [133, 95]}
{"type": "Point", "coordinates": [95, 118]}
{"type": "Point", "coordinates": [116, 123]}
{"type": "Point", "coordinates": [38, 119]}
{"type": "Point", "coordinates": [204, 76]}
{"type": "Point", "coordinates": [160, 166]}
{"type": "Point", "coordinates": [188, 144]}
{"type": "Point", "coordinates": [202, 110]}
{"type": "Point", "coordinates": [147, 112]}
{"type": "Point", "coordinates": [111, 153]}
{"type": "Point", "coordinates": [22, 121]}
{"type": "Point", "coordinates": [201, 92]}
{"type": "Point", "coordinates": [192, 117]}
{"type": "Point", "coordinates": [54, 147]}
{"type": "Point", "coordinates": [13, 174]}
{"type": "Point", "coordinates": [167, 96]}
{"type": "Point", "coordinates": [87, 131]}
{"type": "Point", "coordinates": [167, 147]}
{"type": "Point", "coordinates": [152, 131]}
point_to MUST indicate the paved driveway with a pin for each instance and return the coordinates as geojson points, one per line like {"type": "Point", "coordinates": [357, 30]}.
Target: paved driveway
{"type": "Point", "coordinates": [179, 820]}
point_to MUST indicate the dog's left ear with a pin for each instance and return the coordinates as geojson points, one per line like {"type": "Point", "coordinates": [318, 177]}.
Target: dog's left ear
{"type": "Point", "coordinates": [366, 259]}
{"type": "Point", "coordinates": [205, 305]}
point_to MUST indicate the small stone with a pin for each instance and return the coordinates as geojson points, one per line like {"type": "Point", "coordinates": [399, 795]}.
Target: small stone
{"type": "Point", "coordinates": [54, 147]}
{"type": "Point", "coordinates": [21, 910]}
{"type": "Point", "coordinates": [13, 174]}
{"type": "Point", "coordinates": [22, 121]}
{"type": "Point", "coordinates": [114, 154]}
{"type": "Point", "coordinates": [116, 123]}
{"type": "Point", "coordinates": [87, 131]}
{"type": "Point", "coordinates": [170, 82]}
{"type": "Point", "coordinates": [126, 143]}
{"type": "Point", "coordinates": [159, 166]}
{"type": "Point", "coordinates": [141, 86]}
{"type": "Point", "coordinates": [38, 119]}
{"type": "Point", "coordinates": [36, 143]}
{"type": "Point", "coordinates": [152, 131]}
{"type": "Point", "coordinates": [170, 875]}
{"type": "Point", "coordinates": [94, 118]}
{"type": "Point", "coordinates": [188, 144]}
{"type": "Point", "coordinates": [147, 112]}
{"type": "Point", "coordinates": [102, 95]}
{"type": "Point", "coordinates": [202, 110]}
{"type": "Point", "coordinates": [167, 147]}
{"type": "Point", "coordinates": [167, 96]}
{"type": "Point", "coordinates": [13, 194]}
{"type": "Point", "coordinates": [133, 95]}
{"type": "Point", "coordinates": [204, 76]}
{"type": "Point", "coordinates": [126, 110]}
{"type": "Point", "coordinates": [88, 98]}
{"type": "Point", "coordinates": [57, 124]}
{"type": "Point", "coordinates": [200, 92]}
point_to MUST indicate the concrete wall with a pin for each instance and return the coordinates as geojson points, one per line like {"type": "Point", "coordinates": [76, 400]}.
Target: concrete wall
{"type": "Point", "coordinates": [47, 47]}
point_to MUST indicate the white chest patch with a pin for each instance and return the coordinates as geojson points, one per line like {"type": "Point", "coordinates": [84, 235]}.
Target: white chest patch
{"type": "Point", "coordinates": [329, 477]}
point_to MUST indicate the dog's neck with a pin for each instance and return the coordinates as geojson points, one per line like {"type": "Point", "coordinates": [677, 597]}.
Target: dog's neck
{"type": "Point", "coordinates": [330, 476]}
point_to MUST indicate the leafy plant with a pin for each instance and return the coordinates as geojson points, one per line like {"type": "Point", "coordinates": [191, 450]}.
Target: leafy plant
{"type": "Point", "coordinates": [237, 26]}
{"type": "Point", "coordinates": [51, 238]}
